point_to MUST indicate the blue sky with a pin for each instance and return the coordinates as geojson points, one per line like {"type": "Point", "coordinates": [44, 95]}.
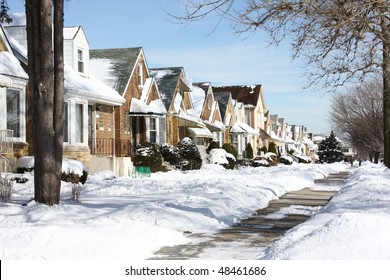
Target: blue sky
{"type": "Point", "coordinates": [220, 56]}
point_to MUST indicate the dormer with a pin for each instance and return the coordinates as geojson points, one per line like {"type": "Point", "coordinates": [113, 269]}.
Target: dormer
{"type": "Point", "coordinates": [76, 50]}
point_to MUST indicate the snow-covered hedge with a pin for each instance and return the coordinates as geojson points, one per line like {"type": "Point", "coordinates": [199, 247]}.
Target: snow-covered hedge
{"type": "Point", "coordinates": [220, 156]}
{"type": "Point", "coordinates": [73, 171]}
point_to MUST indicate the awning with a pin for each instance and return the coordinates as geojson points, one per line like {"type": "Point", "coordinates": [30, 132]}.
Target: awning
{"type": "Point", "coordinates": [240, 127]}
{"type": "Point", "coordinates": [214, 127]}
{"type": "Point", "coordinates": [288, 140]}
{"type": "Point", "coordinates": [277, 140]}
{"type": "Point", "coordinates": [185, 120]}
{"type": "Point", "coordinates": [200, 132]}
{"type": "Point", "coordinates": [264, 135]}
{"type": "Point", "coordinates": [5, 81]}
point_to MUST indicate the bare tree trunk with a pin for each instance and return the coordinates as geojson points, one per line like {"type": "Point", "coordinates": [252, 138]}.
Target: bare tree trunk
{"type": "Point", "coordinates": [46, 99]}
{"type": "Point", "coordinates": [58, 86]}
{"type": "Point", "coordinates": [386, 104]}
{"type": "Point", "coordinates": [386, 90]}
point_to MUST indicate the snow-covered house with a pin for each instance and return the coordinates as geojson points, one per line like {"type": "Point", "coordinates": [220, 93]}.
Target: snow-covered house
{"type": "Point", "coordinates": [142, 116]}
{"type": "Point", "coordinates": [13, 83]}
{"type": "Point", "coordinates": [182, 120]}
{"type": "Point", "coordinates": [208, 109]}
{"type": "Point", "coordinates": [254, 103]}
{"type": "Point", "coordinates": [236, 130]}
{"type": "Point", "coordinates": [276, 132]}
{"type": "Point", "coordinates": [88, 103]}
{"type": "Point", "coordinates": [226, 106]}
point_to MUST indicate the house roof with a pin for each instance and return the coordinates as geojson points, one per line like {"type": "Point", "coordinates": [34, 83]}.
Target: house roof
{"type": "Point", "coordinates": [223, 100]}
{"type": "Point", "coordinates": [204, 86]}
{"type": "Point", "coordinates": [114, 66]}
{"type": "Point", "coordinates": [249, 95]}
{"type": "Point", "coordinates": [167, 80]}
{"type": "Point", "coordinates": [90, 88]}
{"type": "Point", "coordinates": [70, 32]}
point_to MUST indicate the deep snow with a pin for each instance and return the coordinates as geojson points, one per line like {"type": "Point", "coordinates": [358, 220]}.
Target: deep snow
{"type": "Point", "coordinates": [130, 218]}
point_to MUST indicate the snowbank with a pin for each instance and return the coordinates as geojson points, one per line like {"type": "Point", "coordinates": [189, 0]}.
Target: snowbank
{"type": "Point", "coordinates": [354, 225]}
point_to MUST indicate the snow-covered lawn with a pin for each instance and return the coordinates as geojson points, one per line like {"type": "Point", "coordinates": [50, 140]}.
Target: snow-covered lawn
{"type": "Point", "coordinates": [130, 218]}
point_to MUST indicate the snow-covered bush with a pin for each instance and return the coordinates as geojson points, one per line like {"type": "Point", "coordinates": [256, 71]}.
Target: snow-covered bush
{"type": "Point", "coordinates": [268, 159]}
{"type": "Point", "coordinates": [258, 162]}
{"type": "Point", "coordinates": [189, 155]}
{"type": "Point", "coordinates": [229, 148]}
{"type": "Point", "coordinates": [148, 154]}
{"type": "Point", "coordinates": [74, 171]}
{"type": "Point", "coordinates": [221, 157]}
{"type": "Point", "coordinates": [25, 164]}
{"type": "Point", "coordinates": [170, 154]}
{"type": "Point", "coordinates": [285, 159]}
{"type": "Point", "coordinates": [212, 145]}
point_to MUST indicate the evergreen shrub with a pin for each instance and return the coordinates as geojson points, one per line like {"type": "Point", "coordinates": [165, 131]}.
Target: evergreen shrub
{"type": "Point", "coordinates": [231, 150]}
{"type": "Point", "coordinates": [212, 145]}
{"type": "Point", "coordinates": [189, 155]}
{"type": "Point", "coordinates": [170, 154]}
{"type": "Point", "coordinates": [148, 154]}
{"type": "Point", "coordinates": [248, 151]}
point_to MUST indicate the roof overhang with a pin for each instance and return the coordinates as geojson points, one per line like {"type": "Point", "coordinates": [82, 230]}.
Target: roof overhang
{"type": "Point", "coordinates": [202, 132]}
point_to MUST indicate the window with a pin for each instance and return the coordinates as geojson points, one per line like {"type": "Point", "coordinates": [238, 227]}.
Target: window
{"type": "Point", "coordinates": [66, 122]}
{"type": "Point", "coordinates": [126, 123]}
{"type": "Point", "coordinates": [79, 123]}
{"type": "Point", "coordinates": [13, 111]}
{"type": "Point", "coordinates": [152, 130]}
{"type": "Point", "coordinates": [140, 75]}
{"type": "Point", "coordinates": [80, 59]}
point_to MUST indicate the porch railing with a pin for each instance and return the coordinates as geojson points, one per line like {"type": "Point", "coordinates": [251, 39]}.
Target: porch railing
{"type": "Point", "coordinates": [102, 146]}
{"type": "Point", "coordinates": [110, 147]}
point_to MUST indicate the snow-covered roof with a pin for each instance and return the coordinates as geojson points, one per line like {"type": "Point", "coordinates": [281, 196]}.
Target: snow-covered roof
{"type": "Point", "coordinates": [200, 132]}
{"type": "Point", "coordinates": [240, 127]}
{"type": "Point", "coordinates": [198, 97]}
{"type": "Point", "coordinates": [141, 106]}
{"type": "Point", "coordinates": [90, 88]}
{"type": "Point", "coordinates": [10, 66]}
{"type": "Point", "coordinates": [116, 66]}
{"type": "Point", "coordinates": [168, 79]}
{"type": "Point", "coordinates": [70, 32]}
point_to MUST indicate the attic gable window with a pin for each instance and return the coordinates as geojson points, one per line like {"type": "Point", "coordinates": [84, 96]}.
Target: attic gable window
{"type": "Point", "coordinates": [80, 61]}
{"type": "Point", "coordinates": [140, 75]}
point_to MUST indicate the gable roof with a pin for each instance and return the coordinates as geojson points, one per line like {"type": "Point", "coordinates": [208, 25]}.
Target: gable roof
{"type": "Point", "coordinates": [167, 79]}
{"type": "Point", "coordinates": [70, 32]}
{"type": "Point", "coordinates": [223, 99]}
{"type": "Point", "coordinates": [249, 95]}
{"type": "Point", "coordinates": [9, 64]}
{"type": "Point", "coordinates": [114, 66]}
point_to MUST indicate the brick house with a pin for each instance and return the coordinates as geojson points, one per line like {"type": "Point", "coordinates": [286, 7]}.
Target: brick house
{"type": "Point", "coordinates": [208, 110]}
{"type": "Point", "coordinates": [142, 116]}
{"type": "Point", "coordinates": [182, 120]}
